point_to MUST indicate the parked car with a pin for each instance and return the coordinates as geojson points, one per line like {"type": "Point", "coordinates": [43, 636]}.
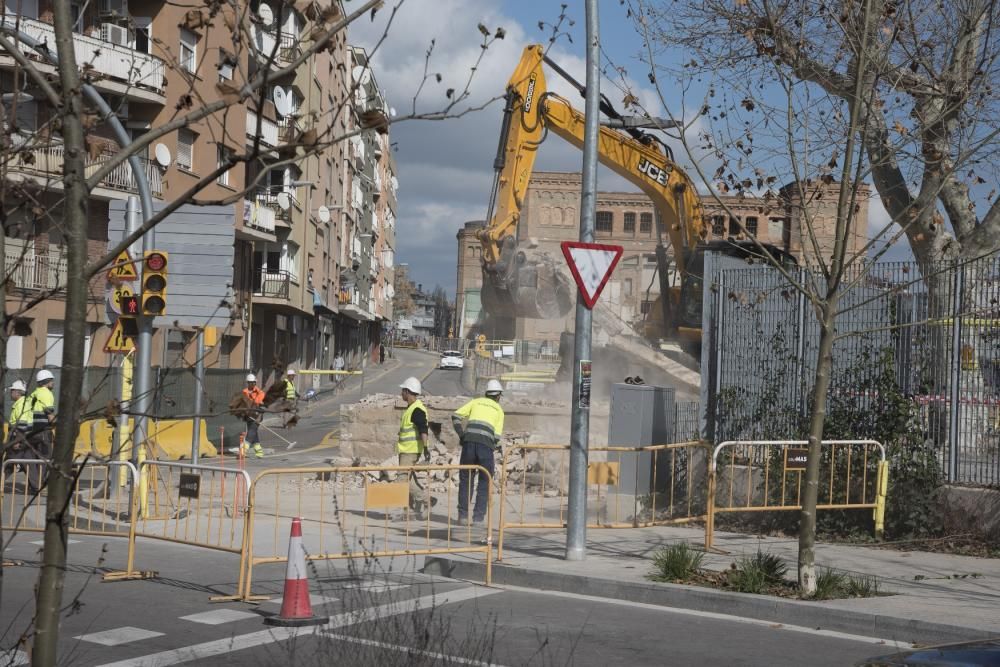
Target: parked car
{"type": "Point", "coordinates": [965, 654]}
{"type": "Point", "coordinates": [451, 359]}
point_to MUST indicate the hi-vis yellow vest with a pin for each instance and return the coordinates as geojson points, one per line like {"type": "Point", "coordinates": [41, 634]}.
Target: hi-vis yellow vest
{"type": "Point", "coordinates": [409, 441]}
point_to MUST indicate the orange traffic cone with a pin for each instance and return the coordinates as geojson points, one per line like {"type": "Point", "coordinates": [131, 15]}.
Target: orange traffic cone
{"type": "Point", "coordinates": [296, 608]}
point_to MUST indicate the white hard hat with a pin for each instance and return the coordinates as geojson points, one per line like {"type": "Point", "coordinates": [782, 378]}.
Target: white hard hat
{"type": "Point", "coordinates": [494, 387]}
{"type": "Point", "coordinates": [412, 385]}
{"type": "Point", "coordinates": [251, 377]}
{"type": "Point", "coordinates": [291, 371]}
{"type": "Point", "coordinates": [44, 376]}
{"type": "Point", "coordinates": [17, 384]}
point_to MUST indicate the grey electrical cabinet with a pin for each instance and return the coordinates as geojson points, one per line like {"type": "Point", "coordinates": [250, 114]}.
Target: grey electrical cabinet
{"type": "Point", "coordinates": [641, 415]}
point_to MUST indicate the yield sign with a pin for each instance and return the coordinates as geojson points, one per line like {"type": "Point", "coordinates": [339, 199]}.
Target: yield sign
{"type": "Point", "coordinates": [591, 264]}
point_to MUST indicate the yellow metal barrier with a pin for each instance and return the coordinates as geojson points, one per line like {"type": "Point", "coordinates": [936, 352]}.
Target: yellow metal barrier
{"type": "Point", "coordinates": [629, 487]}
{"type": "Point", "coordinates": [197, 505]}
{"type": "Point", "coordinates": [767, 475]}
{"type": "Point", "coordinates": [97, 507]}
{"type": "Point", "coordinates": [352, 512]}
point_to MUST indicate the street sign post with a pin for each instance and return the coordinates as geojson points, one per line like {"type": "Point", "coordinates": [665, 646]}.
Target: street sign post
{"type": "Point", "coordinates": [591, 265]}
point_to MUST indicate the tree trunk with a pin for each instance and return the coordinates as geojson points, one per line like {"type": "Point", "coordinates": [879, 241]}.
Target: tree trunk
{"type": "Point", "coordinates": [52, 576]}
{"type": "Point", "coordinates": [807, 517]}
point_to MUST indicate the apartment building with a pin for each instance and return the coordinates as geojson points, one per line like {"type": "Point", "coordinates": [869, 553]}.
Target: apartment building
{"type": "Point", "coordinates": [551, 214]}
{"type": "Point", "coordinates": [292, 209]}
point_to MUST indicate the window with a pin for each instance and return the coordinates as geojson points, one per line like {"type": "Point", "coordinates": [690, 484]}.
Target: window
{"type": "Point", "coordinates": [185, 148]}
{"type": "Point", "coordinates": [751, 225]}
{"type": "Point", "coordinates": [630, 223]}
{"type": "Point", "coordinates": [734, 227]}
{"type": "Point", "coordinates": [226, 62]}
{"type": "Point", "coordinates": [142, 37]}
{"type": "Point", "coordinates": [646, 223]}
{"type": "Point", "coordinates": [188, 53]}
{"type": "Point", "coordinates": [605, 221]}
{"type": "Point", "coordinates": [646, 307]}
{"type": "Point", "coordinates": [223, 155]}
{"type": "Point", "coordinates": [627, 290]}
{"type": "Point", "coordinates": [718, 225]}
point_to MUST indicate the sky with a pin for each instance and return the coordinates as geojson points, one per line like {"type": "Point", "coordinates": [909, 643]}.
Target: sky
{"type": "Point", "coordinates": [445, 168]}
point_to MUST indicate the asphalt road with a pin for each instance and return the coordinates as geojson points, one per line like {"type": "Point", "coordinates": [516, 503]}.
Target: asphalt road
{"type": "Point", "coordinates": [384, 614]}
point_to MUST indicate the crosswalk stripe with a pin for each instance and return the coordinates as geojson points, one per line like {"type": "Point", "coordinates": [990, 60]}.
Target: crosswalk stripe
{"type": "Point", "coordinates": [272, 635]}
{"type": "Point", "coordinates": [220, 616]}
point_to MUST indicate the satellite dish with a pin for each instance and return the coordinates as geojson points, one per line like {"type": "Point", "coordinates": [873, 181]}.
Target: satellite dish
{"type": "Point", "coordinates": [266, 15]}
{"type": "Point", "coordinates": [324, 214]}
{"type": "Point", "coordinates": [162, 154]}
{"type": "Point", "coordinates": [362, 75]}
{"type": "Point", "coordinates": [283, 201]}
{"type": "Point", "coordinates": [282, 100]}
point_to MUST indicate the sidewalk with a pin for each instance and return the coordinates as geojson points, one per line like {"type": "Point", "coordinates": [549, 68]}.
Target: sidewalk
{"type": "Point", "coordinates": [929, 605]}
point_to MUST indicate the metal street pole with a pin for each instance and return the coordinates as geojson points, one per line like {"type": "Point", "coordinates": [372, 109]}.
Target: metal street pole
{"type": "Point", "coordinates": [199, 391]}
{"type": "Point", "coordinates": [576, 532]}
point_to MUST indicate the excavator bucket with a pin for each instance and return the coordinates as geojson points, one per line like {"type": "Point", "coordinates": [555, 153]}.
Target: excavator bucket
{"type": "Point", "coordinates": [534, 287]}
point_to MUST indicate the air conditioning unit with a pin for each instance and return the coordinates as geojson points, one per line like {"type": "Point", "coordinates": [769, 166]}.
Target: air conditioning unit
{"type": "Point", "coordinates": [116, 34]}
{"type": "Point", "coordinates": [113, 8]}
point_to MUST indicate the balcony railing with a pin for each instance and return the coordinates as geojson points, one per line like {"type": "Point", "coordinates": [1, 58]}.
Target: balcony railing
{"type": "Point", "coordinates": [29, 271]}
{"type": "Point", "coordinates": [104, 59]}
{"type": "Point", "coordinates": [272, 284]}
{"type": "Point", "coordinates": [288, 46]}
{"type": "Point", "coordinates": [259, 216]}
{"type": "Point", "coordinates": [268, 130]}
{"type": "Point", "coordinates": [47, 161]}
{"type": "Point", "coordinates": [269, 197]}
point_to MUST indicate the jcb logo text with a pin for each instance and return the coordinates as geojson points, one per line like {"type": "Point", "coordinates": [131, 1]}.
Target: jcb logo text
{"type": "Point", "coordinates": [652, 171]}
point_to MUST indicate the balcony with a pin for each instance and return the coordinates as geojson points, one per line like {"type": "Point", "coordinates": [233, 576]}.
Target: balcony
{"type": "Point", "coordinates": [287, 46]}
{"type": "Point", "coordinates": [46, 163]}
{"type": "Point", "coordinates": [29, 271]}
{"type": "Point", "coordinates": [121, 69]}
{"type": "Point", "coordinates": [272, 284]}
{"type": "Point", "coordinates": [268, 130]}
{"type": "Point", "coordinates": [258, 216]}
{"type": "Point", "coordinates": [269, 197]}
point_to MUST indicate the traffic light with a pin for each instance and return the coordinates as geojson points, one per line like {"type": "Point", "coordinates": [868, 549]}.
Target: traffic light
{"type": "Point", "coordinates": [154, 283]}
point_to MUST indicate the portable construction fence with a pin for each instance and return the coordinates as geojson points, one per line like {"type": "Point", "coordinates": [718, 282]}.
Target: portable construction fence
{"type": "Point", "coordinates": [359, 513]}
{"type": "Point", "coordinates": [628, 487]}
{"type": "Point", "coordinates": [98, 505]}
{"type": "Point", "coordinates": [768, 475]}
{"type": "Point", "coordinates": [198, 505]}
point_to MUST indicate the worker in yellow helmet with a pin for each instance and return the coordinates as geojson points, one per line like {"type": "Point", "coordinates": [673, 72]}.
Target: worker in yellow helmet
{"type": "Point", "coordinates": [479, 424]}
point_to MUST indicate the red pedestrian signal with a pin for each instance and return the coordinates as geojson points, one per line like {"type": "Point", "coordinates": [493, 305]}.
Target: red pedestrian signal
{"type": "Point", "coordinates": [129, 305]}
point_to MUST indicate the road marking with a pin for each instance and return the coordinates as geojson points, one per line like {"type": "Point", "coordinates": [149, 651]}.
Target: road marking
{"type": "Point", "coordinates": [409, 650]}
{"type": "Point", "coordinates": [776, 625]}
{"type": "Point", "coordinates": [117, 636]}
{"type": "Point", "coordinates": [18, 658]}
{"type": "Point", "coordinates": [41, 543]}
{"type": "Point", "coordinates": [272, 635]}
{"type": "Point", "coordinates": [314, 599]}
{"type": "Point", "coordinates": [220, 616]}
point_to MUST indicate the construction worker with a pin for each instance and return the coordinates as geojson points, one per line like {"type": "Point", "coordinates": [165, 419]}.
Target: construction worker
{"type": "Point", "coordinates": [412, 441]}
{"type": "Point", "coordinates": [42, 403]}
{"type": "Point", "coordinates": [19, 419]}
{"type": "Point", "coordinates": [479, 424]}
{"type": "Point", "coordinates": [290, 399]}
{"type": "Point", "coordinates": [255, 396]}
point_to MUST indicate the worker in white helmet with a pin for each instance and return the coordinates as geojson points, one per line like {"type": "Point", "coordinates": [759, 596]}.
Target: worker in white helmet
{"type": "Point", "coordinates": [43, 412]}
{"type": "Point", "coordinates": [18, 420]}
{"type": "Point", "coordinates": [411, 442]}
{"type": "Point", "coordinates": [479, 424]}
{"type": "Point", "coordinates": [254, 397]}
{"type": "Point", "coordinates": [290, 400]}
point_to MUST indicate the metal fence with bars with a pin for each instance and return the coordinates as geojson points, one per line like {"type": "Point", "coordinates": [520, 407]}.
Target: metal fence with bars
{"type": "Point", "coordinates": [928, 338]}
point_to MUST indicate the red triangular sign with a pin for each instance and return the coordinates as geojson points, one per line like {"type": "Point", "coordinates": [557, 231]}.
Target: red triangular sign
{"type": "Point", "coordinates": [592, 265]}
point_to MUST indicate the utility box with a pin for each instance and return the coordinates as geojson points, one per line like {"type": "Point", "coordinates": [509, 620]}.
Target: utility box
{"type": "Point", "coordinates": [641, 415]}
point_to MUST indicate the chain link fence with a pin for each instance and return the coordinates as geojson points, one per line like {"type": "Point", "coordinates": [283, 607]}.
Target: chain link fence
{"type": "Point", "coordinates": [929, 338]}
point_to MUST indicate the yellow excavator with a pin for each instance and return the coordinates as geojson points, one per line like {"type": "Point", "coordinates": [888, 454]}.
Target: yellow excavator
{"type": "Point", "coordinates": [519, 282]}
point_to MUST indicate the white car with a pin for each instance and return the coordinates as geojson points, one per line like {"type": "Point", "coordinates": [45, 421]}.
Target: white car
{"type": "Point", "coordinates": [451, 359]}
